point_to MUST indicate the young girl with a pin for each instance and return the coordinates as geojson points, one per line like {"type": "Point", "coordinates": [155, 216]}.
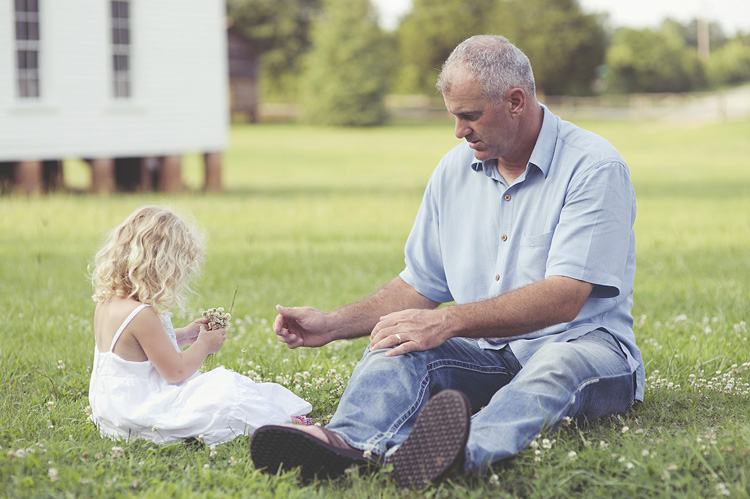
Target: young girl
{"type": "Point", "coordinates": [143, 384]}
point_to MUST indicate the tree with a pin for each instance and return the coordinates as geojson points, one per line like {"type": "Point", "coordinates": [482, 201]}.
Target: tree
{"type": "Point", "coordinates": [646, 60]}
{"type": "Point", "coordinates": [731, 63]}
{"type": "Point", "coordinates": [689, 33]}
{"type": "Point", "coordinates": [344, 82]}
{"type": "Point", "coordinates": [565, 46]}
{"type": "Point", "coordinates": [428, 34]}
{"type": "Point", "coordinates": [280, 29]}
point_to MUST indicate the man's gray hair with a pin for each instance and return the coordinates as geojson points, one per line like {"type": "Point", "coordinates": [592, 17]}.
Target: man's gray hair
{"type": "Point", "coordinates": [496, 63]}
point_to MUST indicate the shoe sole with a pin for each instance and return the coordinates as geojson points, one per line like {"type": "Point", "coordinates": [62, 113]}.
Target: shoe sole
{"type": "Point", "coordinates": [436, 444]}
{"type": "Point", "coordinates": [274, 448]}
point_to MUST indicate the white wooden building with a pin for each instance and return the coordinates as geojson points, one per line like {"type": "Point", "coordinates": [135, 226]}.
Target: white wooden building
{"type": "Point", "coordinates": [127, 85]}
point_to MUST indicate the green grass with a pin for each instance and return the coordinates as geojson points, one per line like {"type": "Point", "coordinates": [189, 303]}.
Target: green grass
{"type": "Point", "coordinates": [319, 217]}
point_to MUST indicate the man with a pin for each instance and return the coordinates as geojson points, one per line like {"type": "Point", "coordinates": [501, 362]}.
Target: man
{"type": "Point", "coordinates": [528, 227]}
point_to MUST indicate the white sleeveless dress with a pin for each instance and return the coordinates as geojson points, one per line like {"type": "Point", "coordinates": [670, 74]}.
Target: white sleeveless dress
{"type": "Point", "coordinates": [131, 400]}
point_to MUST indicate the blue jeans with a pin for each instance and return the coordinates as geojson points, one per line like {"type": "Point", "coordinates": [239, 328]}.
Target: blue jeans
{"type": "Point", "coordinates": [586, 377]}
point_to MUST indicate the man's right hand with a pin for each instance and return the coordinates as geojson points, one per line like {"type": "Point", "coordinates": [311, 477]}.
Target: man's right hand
{"type": "Point", "coordinates": [302, 327]}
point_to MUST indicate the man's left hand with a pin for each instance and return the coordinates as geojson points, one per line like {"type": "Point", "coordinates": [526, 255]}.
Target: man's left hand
{"type": "Point", "coordinates": [412, 330]}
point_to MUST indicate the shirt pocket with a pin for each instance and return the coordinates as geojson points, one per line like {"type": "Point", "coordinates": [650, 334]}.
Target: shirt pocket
{"type": "Point", "coordinates": [532, 257]}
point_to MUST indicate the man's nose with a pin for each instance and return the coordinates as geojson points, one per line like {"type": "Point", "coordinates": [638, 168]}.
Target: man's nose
{"type": "Point", "coordinates": [462, 129]}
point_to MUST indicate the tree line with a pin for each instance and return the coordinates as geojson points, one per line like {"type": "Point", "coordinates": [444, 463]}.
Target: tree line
{"type": "Point", "coordinates": [332, 57]}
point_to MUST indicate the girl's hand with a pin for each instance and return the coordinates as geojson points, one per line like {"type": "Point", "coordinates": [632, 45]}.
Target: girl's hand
{"type": "Point", "coordinates": [213, 339]}
{"type": "Point", "coordinates": [188, 334]}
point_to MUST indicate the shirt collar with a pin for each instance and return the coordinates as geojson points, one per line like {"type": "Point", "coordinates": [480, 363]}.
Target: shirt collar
{"type": "Point", "coordinates": [541, 156]}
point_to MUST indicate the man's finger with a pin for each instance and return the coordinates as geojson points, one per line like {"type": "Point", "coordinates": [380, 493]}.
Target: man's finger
{"type": "Point", "coordinates": [401, 349]}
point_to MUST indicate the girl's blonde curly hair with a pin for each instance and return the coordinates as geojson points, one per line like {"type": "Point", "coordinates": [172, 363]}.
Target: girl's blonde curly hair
{"type": "Point", "coordinates": [151, 257]}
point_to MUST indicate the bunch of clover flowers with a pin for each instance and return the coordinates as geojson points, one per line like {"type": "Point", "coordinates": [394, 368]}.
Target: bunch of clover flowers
{"type": "Point", "coordinates": [217, 318]}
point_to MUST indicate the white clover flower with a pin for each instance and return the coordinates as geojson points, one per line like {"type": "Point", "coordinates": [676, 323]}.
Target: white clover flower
{"type": "Point", "coordinates": [572, 455]}
{"type": "Point", "coordinates": [116, 452]}
{"type": "Point", "coordinates": [624, 429]}
{"type": "Point", "coordinates": [52, 474]}
{"type": "Point", "coordinates": [494, 479]}
{"type": "Point", "coordinates": [217, 318]}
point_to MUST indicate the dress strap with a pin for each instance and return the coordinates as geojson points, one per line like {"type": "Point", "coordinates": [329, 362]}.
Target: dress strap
{"type": "Point", "coordinates": [125, 324]}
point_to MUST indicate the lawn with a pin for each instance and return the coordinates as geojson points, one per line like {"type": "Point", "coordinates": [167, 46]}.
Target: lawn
{"type": "Point", "coordinates": [319, 217]}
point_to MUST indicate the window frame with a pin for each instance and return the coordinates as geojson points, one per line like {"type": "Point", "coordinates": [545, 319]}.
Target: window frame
{"type": "Point", "coordinates": [28, 41]}
{"type": "Point", "coordinates": [121, 44]}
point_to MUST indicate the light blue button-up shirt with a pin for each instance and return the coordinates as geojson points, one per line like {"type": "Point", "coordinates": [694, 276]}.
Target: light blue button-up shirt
{"type": "Point", "coordinates": [571, 214]}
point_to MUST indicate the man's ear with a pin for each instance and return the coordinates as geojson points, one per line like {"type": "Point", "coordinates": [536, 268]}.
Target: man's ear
{"type": "Point", "coordinates": [516, 101]}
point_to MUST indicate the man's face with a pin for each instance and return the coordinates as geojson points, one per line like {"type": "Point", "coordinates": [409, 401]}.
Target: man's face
{"type": "Point", "coordinates": [487, 126]}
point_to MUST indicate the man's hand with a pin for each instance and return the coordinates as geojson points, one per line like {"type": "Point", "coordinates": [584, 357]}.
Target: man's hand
{"type": "Point", "coordinates": [412, 330]}
{"type": "Point", "coordinates": [302, 327]}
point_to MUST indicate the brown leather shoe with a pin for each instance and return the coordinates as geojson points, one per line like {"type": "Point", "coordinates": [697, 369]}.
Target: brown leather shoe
{"type": "Point", "coordinates": [316, 451]}
{"type": "Point", "coordinates": [436, 445]}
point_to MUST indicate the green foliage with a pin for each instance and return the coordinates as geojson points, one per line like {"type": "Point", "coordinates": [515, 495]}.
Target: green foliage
{"type": "Point", "coordinates": [429, 33]}
{"type": "Point", "coordinates": [730, 64]}
{"type": "Point", "coordinates": [319, 217]}
{"type": "Point", "coordinates": [280, 29]}
{"type": "Point", "coordinates": [345, 78]}
{"type": "Point", "coordinates": [565, 45]}
{"type": "Point", "coordinates": [646, 60]}
{"type": "Point", "coordinates": [689, 32]}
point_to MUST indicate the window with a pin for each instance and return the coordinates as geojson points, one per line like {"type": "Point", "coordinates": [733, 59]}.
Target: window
{"type": "Point", "coordinates": [27, 48]}
{"type": "Point", "coordinates": [121, 63]}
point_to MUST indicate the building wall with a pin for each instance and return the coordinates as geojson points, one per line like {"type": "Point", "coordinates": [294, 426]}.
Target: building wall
{"type": "Point", "coordinates": [179, 73]}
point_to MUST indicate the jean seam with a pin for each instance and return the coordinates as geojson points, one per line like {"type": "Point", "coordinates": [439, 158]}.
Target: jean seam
{"type": "Point", "coordinates": [443, 363]}
{"type": "Point", "coordinates": [580, 388]}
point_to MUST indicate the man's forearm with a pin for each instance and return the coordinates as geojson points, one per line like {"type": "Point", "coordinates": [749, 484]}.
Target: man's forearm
{"type": "Point", "coordinates": [357, 319]}
{"type": "Point", "coordinates": [536, 306]}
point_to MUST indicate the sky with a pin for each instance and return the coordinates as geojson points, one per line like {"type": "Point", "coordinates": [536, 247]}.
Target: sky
{"type": "Point", "coordinates": [732, 15]}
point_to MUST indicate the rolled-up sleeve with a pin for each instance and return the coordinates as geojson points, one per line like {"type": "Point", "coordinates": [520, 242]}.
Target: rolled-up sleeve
{"type": "Point", "coordinates": [594, 234]}
{"type": "Point", "coordinates": [424, 261]}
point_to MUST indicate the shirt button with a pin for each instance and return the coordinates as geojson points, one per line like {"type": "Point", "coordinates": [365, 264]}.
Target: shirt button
{"type": "Point", "coordinates": [497, 277]}
{"type": "Point", "coordinates": [506, 197]}
{"type": "Point", "coordinates": [504, 237]}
